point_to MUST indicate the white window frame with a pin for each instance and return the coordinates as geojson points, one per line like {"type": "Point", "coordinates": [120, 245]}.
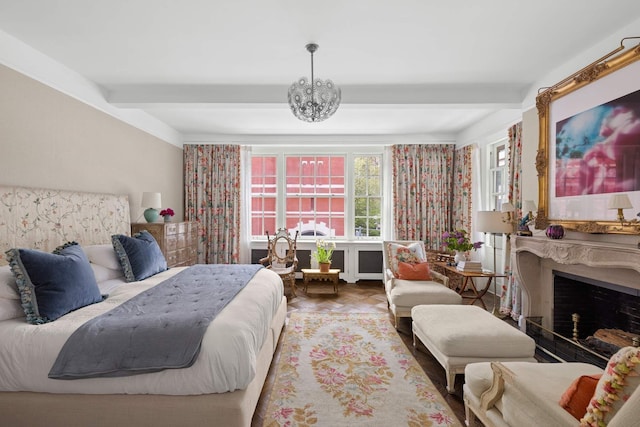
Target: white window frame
{"type": "Point", "coordinates": [492, 153]}
{"type": "Point", "coordinates": [280, 152]}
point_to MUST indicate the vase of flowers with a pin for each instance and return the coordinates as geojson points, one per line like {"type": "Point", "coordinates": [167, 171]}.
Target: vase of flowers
{"type": "Point", "coordinates": [323, 253]}
{"type": "Point", "coordinates": [167, 214]}
{"type": "Point", "coordinates": [458, 241]}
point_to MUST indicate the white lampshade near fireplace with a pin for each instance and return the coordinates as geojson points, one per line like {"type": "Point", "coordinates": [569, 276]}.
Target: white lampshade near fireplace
{"type": "Point", "coordinates": [619, 202]}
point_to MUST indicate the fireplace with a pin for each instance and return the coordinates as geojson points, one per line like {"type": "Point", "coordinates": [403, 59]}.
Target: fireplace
{"type": "Point", "coordinates": [599, 281]}
{"type": "Point", "coordinates": [598, 304]}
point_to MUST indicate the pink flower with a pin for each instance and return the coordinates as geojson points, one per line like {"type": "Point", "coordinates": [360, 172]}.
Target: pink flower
{"type": "Point", "coordinates": [318, 354]}
{"type": "Point", "coordinates": [377, 360]}
{"type": "Point", "coordinates": [167, 211]}
{"type": "Point", "coordinates": [330, 376]}
{"type": "Point", "coordinates": [345, 351]}
{"type": "Point", "coordinates": [359, 408]}
{"type": "Point", "coordinates": [283, 413]}
{"type": "Point", "coordinates": [441, 418]}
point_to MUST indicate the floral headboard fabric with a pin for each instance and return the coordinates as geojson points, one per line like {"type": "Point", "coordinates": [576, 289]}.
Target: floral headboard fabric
{"type": "Point", "coordinates": [39, 218]}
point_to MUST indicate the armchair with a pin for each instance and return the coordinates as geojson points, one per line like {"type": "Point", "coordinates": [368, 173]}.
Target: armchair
{"type": "Point", "coordinates": [405, 292]}
{"type": "Point", "coordinates": [281, 257]}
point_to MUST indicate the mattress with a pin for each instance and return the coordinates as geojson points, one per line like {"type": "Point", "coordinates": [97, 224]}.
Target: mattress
{"type": "Point", "coordinates": [226, 361]}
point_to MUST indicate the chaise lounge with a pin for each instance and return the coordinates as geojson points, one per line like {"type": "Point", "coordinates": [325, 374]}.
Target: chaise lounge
{"type": "Point", "coordinates": [521, 394]}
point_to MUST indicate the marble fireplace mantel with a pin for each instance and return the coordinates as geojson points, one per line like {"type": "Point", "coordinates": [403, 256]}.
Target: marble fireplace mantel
{"type": "Point", "coordinates": [535, 259]}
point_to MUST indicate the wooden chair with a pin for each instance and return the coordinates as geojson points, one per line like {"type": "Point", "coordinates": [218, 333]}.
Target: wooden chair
{"type": "Point", "coordinates": [281, 257]}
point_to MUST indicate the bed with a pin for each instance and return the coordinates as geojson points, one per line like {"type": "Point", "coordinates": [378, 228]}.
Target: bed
{"type": "Point", "coordinates": [197, 395]}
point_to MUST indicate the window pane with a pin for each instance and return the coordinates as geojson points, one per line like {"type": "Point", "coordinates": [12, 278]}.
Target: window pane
{"type": "Point", "coordinates": [374, 206]}
{"type": "Point", "coordinates": [360, 205]}
{"type": "Point", "coordinates": [360, 186]}
{"type": "Point", "coordinates": [374, 186]}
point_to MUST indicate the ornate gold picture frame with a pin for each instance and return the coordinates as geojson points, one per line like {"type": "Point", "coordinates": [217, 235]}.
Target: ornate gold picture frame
{"type": "Point", "coordinates": [580, 93]}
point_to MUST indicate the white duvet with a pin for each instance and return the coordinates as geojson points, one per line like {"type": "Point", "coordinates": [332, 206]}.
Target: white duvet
{"type": "Point", "coordinates": [226, 361]}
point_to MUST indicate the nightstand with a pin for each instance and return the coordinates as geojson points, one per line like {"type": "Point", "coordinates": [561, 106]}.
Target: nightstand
{"type": "Point", "coordinates": [178, 240]}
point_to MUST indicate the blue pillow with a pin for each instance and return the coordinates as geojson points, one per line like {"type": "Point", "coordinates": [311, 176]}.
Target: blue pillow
{"type": "Point", "coordinates": [52, 285]}
{"type": "Point", "coordinates": [140, 256]}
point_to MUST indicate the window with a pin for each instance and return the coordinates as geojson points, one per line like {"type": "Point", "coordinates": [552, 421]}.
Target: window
{"type": "Point", "coordinates": [334, 195]}
{"type": "Point", "coordinates": [367, 196]}
{"type": "Point", "coordinates": [499, 174]}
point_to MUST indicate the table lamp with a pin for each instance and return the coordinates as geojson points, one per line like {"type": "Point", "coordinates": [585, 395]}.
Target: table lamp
{"type": "Point", "coordinates": [153, 202]}
{"type": "Point", "coordinates": [619, 202]}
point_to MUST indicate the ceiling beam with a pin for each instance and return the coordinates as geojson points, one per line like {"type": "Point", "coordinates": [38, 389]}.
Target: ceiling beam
{"type": "Point", "coordinates": [159, 95]}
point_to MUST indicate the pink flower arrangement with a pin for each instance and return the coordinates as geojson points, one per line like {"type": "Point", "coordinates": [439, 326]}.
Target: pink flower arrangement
{"type": "Point", "coordinates": [458, 240]}
{"type": "Point", "coordinates": [167, 212]}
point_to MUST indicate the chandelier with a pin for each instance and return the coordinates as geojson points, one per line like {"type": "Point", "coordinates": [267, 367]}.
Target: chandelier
{"type": "Point", "coordinates": [313, 100]}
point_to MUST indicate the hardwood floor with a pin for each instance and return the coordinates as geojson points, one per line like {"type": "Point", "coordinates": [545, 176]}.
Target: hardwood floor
{"type": "Point", "coordinates": [365, 297]}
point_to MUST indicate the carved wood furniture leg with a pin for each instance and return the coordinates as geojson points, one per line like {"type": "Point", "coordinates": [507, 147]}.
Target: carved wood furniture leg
{"type": "Point", "coordinates": [470, 417]}
{"type": "Point", "coordinates": [292, 280]}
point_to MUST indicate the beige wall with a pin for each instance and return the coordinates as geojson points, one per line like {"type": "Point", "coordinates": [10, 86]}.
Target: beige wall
{"type": "Point", "coordinates": [48, 139]}
{"type": "Point", "coordinates": [530, 133]}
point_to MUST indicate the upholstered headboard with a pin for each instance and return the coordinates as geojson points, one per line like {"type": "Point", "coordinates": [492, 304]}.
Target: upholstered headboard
{"type": "Point", "coordinates": [40, 218]}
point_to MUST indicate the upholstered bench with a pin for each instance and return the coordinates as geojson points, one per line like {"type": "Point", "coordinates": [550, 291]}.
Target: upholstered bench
{"type": "Point", "coordinates": [457, 335]}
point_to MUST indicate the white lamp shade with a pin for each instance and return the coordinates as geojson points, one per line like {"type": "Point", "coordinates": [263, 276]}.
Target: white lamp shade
{"type": "Point", "coordinates": [508, 207]}
{"type": "Point", "coordinates": [529, 206]}
{"type": "Point", "coordinates": [491, 222]}
{"type": "Point", "coordinates": [151, 200]}
{"type": "Point", "coordinates": [619, 201]}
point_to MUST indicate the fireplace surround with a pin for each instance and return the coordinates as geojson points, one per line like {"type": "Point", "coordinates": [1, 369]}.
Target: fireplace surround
{"type": "Point", "coordinates": [536, 259]}
{"type": "Point", "coordinates": [555, 274]}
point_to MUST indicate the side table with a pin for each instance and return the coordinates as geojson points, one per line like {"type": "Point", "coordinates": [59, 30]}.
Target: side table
{"type": "Point", "coordinates": [468, 284]}
{"type": "Point", "coordinates": [310, 275]}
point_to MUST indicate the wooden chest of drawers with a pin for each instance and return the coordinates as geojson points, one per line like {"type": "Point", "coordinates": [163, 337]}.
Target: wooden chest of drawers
{"type": "Point", "coordinates": [178, 240]}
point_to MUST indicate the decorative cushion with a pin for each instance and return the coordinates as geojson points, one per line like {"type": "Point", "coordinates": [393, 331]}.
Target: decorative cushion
{"type": "Point", "coordinates": [52, 285]}
{"type": "Point", "coordinates": [103, 255]}
{"type": "Point", "coordinates": [140, 256]}
{"type": "Point", "coordinates": [412, 253]}
{"type": "Point", "coordinates": [576, 398]}
{"type": "Point", "coordinates": [620, 379]}
{"type": "Point", "coordinates": [419, 271]}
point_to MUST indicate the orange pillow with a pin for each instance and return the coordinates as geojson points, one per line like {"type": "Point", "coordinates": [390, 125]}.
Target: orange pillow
{"type": "Point", "coordinates": [418, 271]}
{"type": "Point", "coordinates": [576, 398]}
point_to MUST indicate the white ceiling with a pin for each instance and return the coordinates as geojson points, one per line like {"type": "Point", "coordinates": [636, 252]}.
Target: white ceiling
{"type": "Point", "coordinates": [404, 66]}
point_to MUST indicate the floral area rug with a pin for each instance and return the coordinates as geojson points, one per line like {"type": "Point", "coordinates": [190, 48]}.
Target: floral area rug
{"type": "Point", "coordinates": [338, 369]}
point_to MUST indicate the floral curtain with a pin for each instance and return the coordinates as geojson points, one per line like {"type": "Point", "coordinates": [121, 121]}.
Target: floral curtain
{"type": "Point", "coordinates": [461, 204]}
{"type": "Point", "coordinates": [510, 300]}
{"type": "Point", "coordinates": [212, 198]}
{"type": "Point", "coordinates": [422, 191]}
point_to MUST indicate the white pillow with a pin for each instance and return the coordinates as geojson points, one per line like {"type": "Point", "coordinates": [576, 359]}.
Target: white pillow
{"type": "Point", "coordinates": [10, 309]}
{"type": "Point", "coordinates": [103, 255]}
{"type": "Point", "coordinates": [8, 287]}
{"type": "Point", "coordinates": [108, 286]}
{"type": "Point", "coordinates": [103, 273]}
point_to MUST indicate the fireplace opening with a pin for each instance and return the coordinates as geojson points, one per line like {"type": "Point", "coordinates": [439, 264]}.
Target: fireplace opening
{"type": "Point", "coordinates": [608, 314]}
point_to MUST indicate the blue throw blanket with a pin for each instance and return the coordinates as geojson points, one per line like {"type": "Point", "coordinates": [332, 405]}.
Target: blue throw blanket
{"type": "Point", "coordinates": [160, 328]}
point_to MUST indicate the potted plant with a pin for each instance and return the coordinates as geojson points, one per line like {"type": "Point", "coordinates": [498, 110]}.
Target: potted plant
{"type": "Point", "coordinates": [167, 214]}
{"type": "Point", "coordinates": [323, 253]}
{"type": "Point", "coordinates": [458, 241]}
